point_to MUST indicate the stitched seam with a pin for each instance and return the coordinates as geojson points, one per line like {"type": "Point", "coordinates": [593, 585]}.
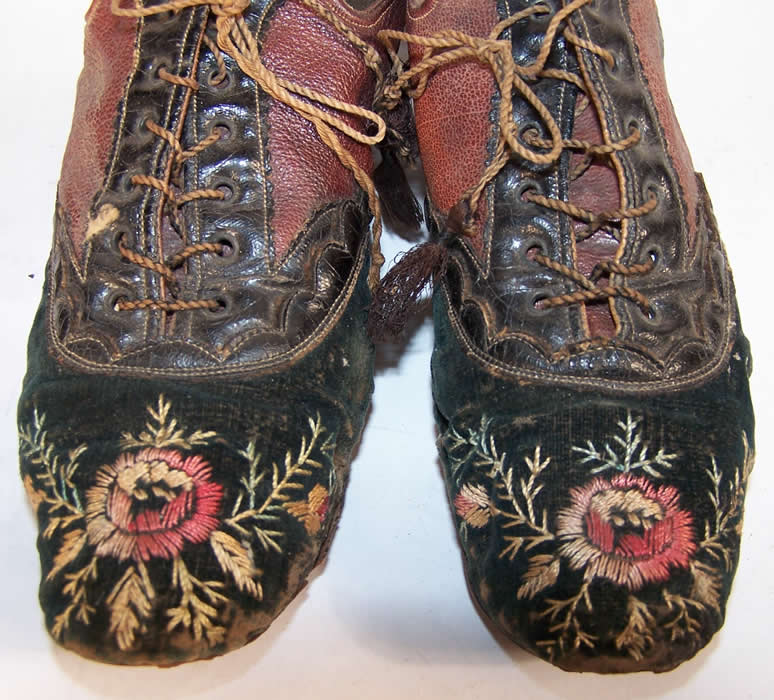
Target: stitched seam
{"type": "Point", "coordinates": [582, 309]}
{"type": "Point", "coordinates": [553, 179]}
{"type": "Point", "coordinates": [428, 11]}
{"type": "Point", "coordinates": [656, 117]}
{"type": "Point", "coordinates": [482, 263]}
{"type": "Point", "coordinates": [235, 346]}
{"type": "Point", "coordinates": [186, 107]}
{"type": "Point", "coordinates": [631, 232]}
{"type": "Point", "coordinates": [165, 344]}
{"type": "Point", "coordinates": [347, 13]}
{"type": "Point", "coordinates": [90, 339]}
{"type": "Point", "coordinates": [656, 120]}
{"type": "Point", "coordinates": [310, 343]}
{"type": "Point", "coordinates": [628, 177]}
{"type": "Point", "coordinates": [195, 272]}
{"type": "Point", "coordinates": [488, 233]}
{"type": "Point", "coordinates": [643, 387]}
{"type": "Point", "coordinates": [263, 149]}
{"type": "Point", "coordinates": [584, 347]}
{"type": "Point", "coordinates": [323, 211]}
{"type": "Point", "coordinates": [676, 184]}
{"type": "Point", "coordinates": [119, 134]}
{"type": "Point", "coordinates": [64, 243]}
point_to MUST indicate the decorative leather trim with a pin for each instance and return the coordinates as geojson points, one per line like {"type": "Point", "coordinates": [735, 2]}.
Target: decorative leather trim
{"type": "Point", "coordinates": [649, 386]}
{"type": "Point", "coordinates": [63, 353]}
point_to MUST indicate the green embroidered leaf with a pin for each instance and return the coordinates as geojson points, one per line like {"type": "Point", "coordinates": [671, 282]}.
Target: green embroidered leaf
{"type": "Point", "coordinates": [637, 636]}
{"type": "Point", "coordinates": [707, 586]}
{"type": "Point", "coordinates": [130, 603]}
{"type": "Point", "coordinates": [72, 544]}
{"type": "Point", "coordinates": [543, 572]}
{"type": "Point", "coordinates": [235, 560]}
{"type": "Point", "coordinates": [512, 548]}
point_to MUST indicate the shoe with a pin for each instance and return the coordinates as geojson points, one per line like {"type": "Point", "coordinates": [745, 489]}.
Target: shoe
{"type": "Point", "coordinates": [590, 373]}
{"type": "Point", "coordinates": [199, 369]}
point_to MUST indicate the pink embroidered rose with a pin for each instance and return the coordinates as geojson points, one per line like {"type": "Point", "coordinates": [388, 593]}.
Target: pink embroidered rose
{"type": "Point", "coordinates": [149, 504]}
{"type": "Point", "coordinates": [626, 530]}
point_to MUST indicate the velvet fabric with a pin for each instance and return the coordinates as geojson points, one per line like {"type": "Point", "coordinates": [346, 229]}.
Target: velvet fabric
{"type": "Point", "coordinates": [178, 518]}
{"type": "Point", "coordinates": [599, 530]}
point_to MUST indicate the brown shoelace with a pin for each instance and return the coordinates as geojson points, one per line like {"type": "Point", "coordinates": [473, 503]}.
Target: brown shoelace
{"type": "Point", "coordinates": [235, 39]}
{"type": "Point", "coordinates": [449, 47]}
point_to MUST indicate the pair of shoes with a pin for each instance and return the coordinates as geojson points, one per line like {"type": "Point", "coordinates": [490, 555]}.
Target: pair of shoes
{"type": "Point", "coordinates": [199, 369]}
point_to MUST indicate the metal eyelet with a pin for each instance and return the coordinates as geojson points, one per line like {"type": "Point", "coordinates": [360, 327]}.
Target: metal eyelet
{"type": "Point", "coordinates": [654, 254]}
{"type": "Point", "coordinates": [534, 300]}
{"type": "Point", "coordinates": [632, 125]}
{"type": "Point", "coordinates": [225, 307]}
{"type": "Point", "coordinates": [113, 299]}
{"type": "Point", "coordinates": [228, 188]}
{"type": "Point", "coordinates": [225, 127]}
{"type": "Point", "coordinates": [217, 80]}
{"type": "Point", "coordinates": [117, 237]}
{"type": "Point", "coordinates": [230, 248]}
{"type": "Point", "coordinates": [653, 318]}
{"type": "Point", "coordinates": [533, 247]}
{"type": "Point", "coordinates": [655, 192]}
{"type": "Point", "coordinates": [525, 186]}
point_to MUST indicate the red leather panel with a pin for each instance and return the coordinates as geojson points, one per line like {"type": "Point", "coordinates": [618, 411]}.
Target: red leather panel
{"type": "Point", "coordinates": [453, 115]}
{"type": "Point", "coordinates": [647, 35]}
{"type": "Point", "coordinates": [305, 173]}
{"type": "Point", "coordinates": [109, 58]}
{"type": "Point", "coordinates": [596, 190]}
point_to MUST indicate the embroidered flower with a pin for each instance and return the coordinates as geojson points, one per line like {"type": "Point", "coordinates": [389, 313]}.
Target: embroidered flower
{"type": "Point", "coordinates": [626, 530]}
{"type": "Point", "coordinates": [149, 504]}
{"type": "Point", "coordinates": [473, 506]}
{"type": "Point", "coordinates": [313, 510]}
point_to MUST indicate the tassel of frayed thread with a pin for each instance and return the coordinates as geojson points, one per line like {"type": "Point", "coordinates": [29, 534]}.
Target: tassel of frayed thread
{"type": "Point", "coordinates": [399, 295]}
{"type": "Point", "coordinates": [400, 210]}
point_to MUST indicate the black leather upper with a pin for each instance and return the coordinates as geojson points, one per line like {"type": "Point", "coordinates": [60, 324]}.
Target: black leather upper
{"type": "Point", "coordinates": [269, 309]}
{"type": "Point", "coordinates": [689, 333]}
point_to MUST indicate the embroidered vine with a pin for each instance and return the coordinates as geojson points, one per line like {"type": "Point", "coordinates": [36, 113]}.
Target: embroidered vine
{"type": "Point", "coordinates": [621, 526]}
{"type": "Point", "coordinates": [160, 500]}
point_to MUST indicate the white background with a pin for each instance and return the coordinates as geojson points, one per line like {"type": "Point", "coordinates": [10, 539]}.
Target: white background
{"type": "Point", "coordinates": [389, 615]}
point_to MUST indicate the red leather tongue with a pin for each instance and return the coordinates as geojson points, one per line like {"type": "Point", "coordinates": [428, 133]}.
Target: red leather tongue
{"type": "Point", "coordinates": [596, 190]}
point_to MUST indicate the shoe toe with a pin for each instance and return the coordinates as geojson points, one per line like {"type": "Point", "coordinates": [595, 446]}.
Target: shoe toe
{"type": "Point", "coordinates": [600, 535]}
{"type": "Point", "coordinates": [176, 522]}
